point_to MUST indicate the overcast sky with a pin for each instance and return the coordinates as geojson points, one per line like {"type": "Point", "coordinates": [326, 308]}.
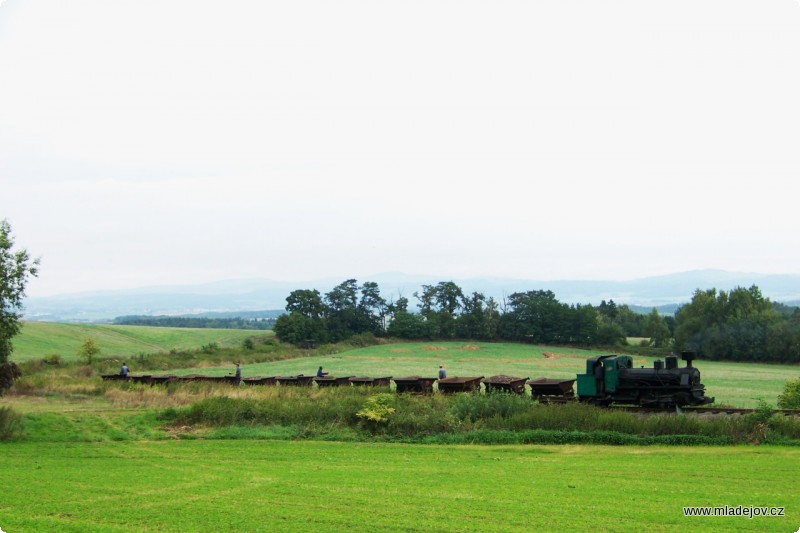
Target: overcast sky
{"type": "Point", "coordinates": [171, 141]}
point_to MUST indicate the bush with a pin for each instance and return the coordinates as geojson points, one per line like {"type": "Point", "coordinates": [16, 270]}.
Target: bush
{"type": "Point", "coordinates": [377, 409]}
{"type": "Point", "coordinates": [211, 347]}
{"type": "Point", "coordinates": [52, 359]}
{"type": "Point", "coordinates": [8, 373]}
{"type": "Point", "coordinates": [10, 423]}
{"type": "Point", "coordinates": [790, 397]}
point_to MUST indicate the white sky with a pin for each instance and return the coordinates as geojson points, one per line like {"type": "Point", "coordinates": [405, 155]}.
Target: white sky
{"type": "Point", "coordinates": [171, 141]}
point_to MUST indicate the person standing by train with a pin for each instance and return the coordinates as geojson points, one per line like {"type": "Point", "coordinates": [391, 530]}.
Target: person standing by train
{"type": "Point", "coordinates": [124, 370]}
{"type": "Point", "coordinates": [442, 372]}
{"type": "Point", "coordinates": [238, 374]}
{"type": "Point", "coordinates": [599, 377]}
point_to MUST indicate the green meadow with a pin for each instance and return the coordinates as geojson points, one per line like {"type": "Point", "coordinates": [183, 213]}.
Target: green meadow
{"type": "Point", "coordinates": [92, 455]}
{"type": "Point", "coordinates": [329, 486]}
{"type": "Point", "coordinates": [42, 339]}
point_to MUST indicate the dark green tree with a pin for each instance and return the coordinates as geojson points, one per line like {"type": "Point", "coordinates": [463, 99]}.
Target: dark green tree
{"type": "Point", "coordinates": [726, 325]}
{"type": "Point", "coordinates": [473, 323]}
{"type": "Point", "coordinates": [306, 302]}
{"type": "Point", "coordinates": [305, 321]}
{"type": "Point", "coordinates": [783, 340]}
{"type": "Point", "coordinates": [16, 267]}
{"type": "Point", "coordinates": [440, 304]}
{"type": "Point", "coordinates": [341, 310]}
{"type": "Point", "coordinates": [537, 317]}
{"type": "Point", "coordinates": [371, 309]}
{"type": "Point", "coordinates": [655, 327]}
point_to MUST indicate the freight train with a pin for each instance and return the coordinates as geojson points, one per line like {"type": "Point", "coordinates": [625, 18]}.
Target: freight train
{"type": "Point", "coordinates": [608, 379]}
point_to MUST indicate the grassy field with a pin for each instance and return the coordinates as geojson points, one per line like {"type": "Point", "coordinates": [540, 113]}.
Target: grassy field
{"type": "Point", "coordinates": [100, 456]}
{"type": "Point", "coordinates": [734, 384]}
{"type": "Point", "coordinates": [325, 486]}
{"type": "Point", "coordinates": [41, 339]}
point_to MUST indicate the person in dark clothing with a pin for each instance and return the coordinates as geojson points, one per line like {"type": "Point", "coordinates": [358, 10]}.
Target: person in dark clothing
{"type": "Point", "coordinates": [124, 370]}
{"type": "Point", "coordinates": [320, 373]}
{"type": "Point", "coordinates": [442, 372]}
{"type": "Point", "coordinates": [599, 378]}
{"type": "Point", "coordinates": [238, 374]}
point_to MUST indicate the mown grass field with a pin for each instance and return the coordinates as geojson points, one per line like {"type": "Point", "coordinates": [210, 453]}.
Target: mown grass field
{"type": "Point", "coordinates": [42, 339]}
{"type": "Point", "coordinates": [734, 384]}
{"type": "Point", "coordinates": [327, 486]}
{"type": "Point", "coordinates": [100, 456]}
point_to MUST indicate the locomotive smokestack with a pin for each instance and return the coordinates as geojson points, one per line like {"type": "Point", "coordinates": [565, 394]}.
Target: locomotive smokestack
{"type": "Point", "coordinates": [688, 357]}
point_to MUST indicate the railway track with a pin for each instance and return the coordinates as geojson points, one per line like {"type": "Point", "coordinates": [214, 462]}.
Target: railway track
{"type": "Point", "coordinates": [713, 411]}
{"type": "Point", "coordinates": [736, 411]}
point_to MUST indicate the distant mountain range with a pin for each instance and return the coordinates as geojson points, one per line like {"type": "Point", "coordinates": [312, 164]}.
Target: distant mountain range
{"type": "Point", "coordinates": [229, 297]}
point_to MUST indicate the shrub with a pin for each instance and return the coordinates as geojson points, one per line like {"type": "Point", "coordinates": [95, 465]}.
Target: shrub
{"type": "Point", "coordinates": [10, 423]}
{"type": "Point", "coordinates": [88, 350]}
{"type": "Point", "coordinates": [377, 409]}
{"type": "Point", "coordinates": [52, 359]}
{"type": "Point", "coordinates": [790, 397]}
{"type": "Point", "coordinates": [211, 347]}
{"type": "Point", "coordinates": [8, 373]}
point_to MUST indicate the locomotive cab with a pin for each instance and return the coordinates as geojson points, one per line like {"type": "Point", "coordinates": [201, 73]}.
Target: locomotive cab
{"type": "Point", "coordinates": [602, 378]}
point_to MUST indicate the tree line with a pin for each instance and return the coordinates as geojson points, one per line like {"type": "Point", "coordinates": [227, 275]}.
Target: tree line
{"type": "Point", "coordinates": [738, 325]}
{"type": "Point", "coordinates": [196, 322]}
{"type": "Point", "coordinates": [445, 311]}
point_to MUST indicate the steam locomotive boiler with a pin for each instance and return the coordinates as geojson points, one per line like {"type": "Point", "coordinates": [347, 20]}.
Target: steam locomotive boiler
{"type": "Point", "coordinates": [613, 379]}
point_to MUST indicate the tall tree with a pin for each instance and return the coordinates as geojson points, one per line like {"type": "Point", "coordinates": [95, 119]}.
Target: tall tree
{"type": "Point", "coordinates": [473, 323]}
{"type": "Point", "coordinates": [371, 309]}
{"type": "Point", "coordinates": [305, 321]}
{"type": "Point", "coordinates": [440, 305]}
{"type": "Point", "coordinates": [16, 267]}
{"type": "Point", "coordinates": [656, 328]}
{"type": "Point", "coordinates": [342, 315]}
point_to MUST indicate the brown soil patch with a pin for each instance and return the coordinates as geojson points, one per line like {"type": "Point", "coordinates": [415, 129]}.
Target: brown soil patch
{"type": "Point", "coordinates": [434, 348]}
{"type": "Point", "coordinates": [469, 347]}
{"type": "Point", "coordinates": [552, 355]}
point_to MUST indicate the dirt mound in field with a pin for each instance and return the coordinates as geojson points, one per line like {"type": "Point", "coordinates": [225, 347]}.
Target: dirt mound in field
{"type": "Point", "coordinates": [471, 347]}
{"type": "Point", "coordinates": [553, 356]}
{"type": "Point", "coordinates": [433, 348]}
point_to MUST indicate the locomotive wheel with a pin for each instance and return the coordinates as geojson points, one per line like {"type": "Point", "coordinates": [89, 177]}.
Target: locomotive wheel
{"type": "Point", "coordinates": [682, 399]}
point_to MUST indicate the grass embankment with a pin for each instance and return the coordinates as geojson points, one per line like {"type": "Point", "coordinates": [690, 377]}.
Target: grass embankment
{"type": "Point", "coordinates": [38, 340]}
{"type": "Point", "coordinates": [353, 413]}
{"type": "Point", "coordinates": [219, 411]}
{"type": "Point", "coordinates": [326, 486]}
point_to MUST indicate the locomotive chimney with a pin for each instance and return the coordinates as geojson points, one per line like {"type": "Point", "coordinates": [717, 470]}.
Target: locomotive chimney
{"type": "Point", "coordinates": [688, 357]}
